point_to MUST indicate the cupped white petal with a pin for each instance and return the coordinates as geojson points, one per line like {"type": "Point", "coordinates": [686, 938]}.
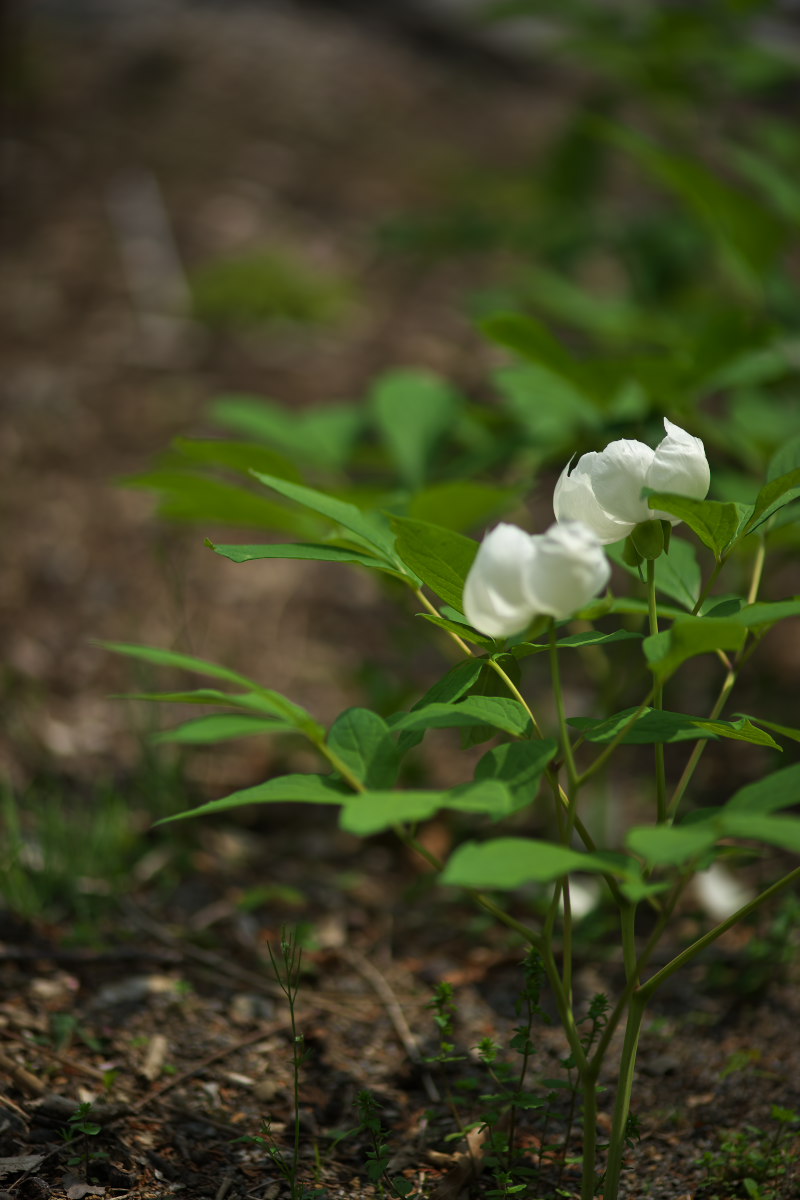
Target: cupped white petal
{"type": "Point", "coordinates": [569, 569]}
{"type": "Point", "coordinates": [574, 500]}
{"type": "Point", "coordinates": [679, 465]}
{"type": "Point", "coordinates": [496, 601]}
{"type": "Point", "coordinates": [618, 475]}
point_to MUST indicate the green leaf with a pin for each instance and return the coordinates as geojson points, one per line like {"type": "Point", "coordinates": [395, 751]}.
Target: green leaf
{"type": "Point", "coordinates": [688, 637]}
{"type": "Point", "coordinates": [520, 766]}
{"type": "Point", "coordinates": [188, 496]}
{"type": "Point", "coordinates": [413, 410]}
{"type": "Point", "coordinates": [374, 811]}
{"type": "Point", "coordinates": [465, 632]}
{"type": "Point", "coordinates": [452, 686]}
{"type": "Point", "coordinates": [463, 504]}
{"type": "Point", "coordinates": [322, 436]}
{"type": "Point", "coordinates": [671, 845]}
{"type": "Point", "coordinates": [783, 730]}
{"type": "Point", "coordinates": [530, 339]}
{"type": "Point", "coordinates": [316, 551]}
{"type": "Point", "coordinates": [510, 862]}
{"type": "Point", "coordinates": [781, 789]}
{"type": "Point", "coordinates": [548, 406]}
{"type": "Point", "coordinates": [278, 705]}
{"type": "Point", "coordinates": [662, 727]}
{"type": "Point", "coordinates": [785, 459]}
{"type": "Point", "coordinates": [768, 613]}
{"type": "Point", "coordinates": [239, 456]}
{"type": "Point", "coordinates": [440, 557]}
{"type": "Point", "coordinates": [221, 727]}
{"type": "Point", "coordinates": [250, 701]}
{"type": "Point", "coordinates": [677, 572]}
{"type": "Point", "coordinates": [296, 789]}
{"type": "Point", "coordinates": [773, 496]}
{"type": "Point", "coordinates": [361, 739]}
{"type": "Point", "coordinates": [783, 832]}
{"type": "Point", "coordinates": [369, 526]}
{"type": "Point", "coordinates": [498, 711]}
{"type": "Point", "coordinates": [575, 641]}
{"type": "Point", "coordinates": [714, 522]}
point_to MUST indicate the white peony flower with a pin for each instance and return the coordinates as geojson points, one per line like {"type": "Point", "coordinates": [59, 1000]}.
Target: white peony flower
{"type": "Point", "coordinates": [569, 569]}
{"type": "Point", "coordinates": [604, 490]}
{"type": "Point", "coordinates": [518, 576]}
{"type": "Point", "coordinates": [495, 595]}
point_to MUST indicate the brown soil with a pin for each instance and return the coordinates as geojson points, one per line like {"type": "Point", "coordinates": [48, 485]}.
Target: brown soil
{"type": "Point", "coordinates": [299, 132]}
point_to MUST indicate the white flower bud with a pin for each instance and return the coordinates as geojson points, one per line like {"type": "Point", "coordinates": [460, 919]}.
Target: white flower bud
{"type": "Point", "coordinates": [604, 490]}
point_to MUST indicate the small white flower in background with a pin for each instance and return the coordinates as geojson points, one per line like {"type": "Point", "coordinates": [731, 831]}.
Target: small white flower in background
{"type": "Point", "coordinates": [517, 576]}
{"type": "Point", "coordinates": [719, 893]}
{"type": "Point", "coordinates": [604, 490]}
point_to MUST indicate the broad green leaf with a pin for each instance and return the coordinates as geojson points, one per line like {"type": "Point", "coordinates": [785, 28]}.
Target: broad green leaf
{"type": "Point", "coordinates": [462, 505]}
{"type": "Point", "coordinates": [773, 496]}
{"type": "Point", "coordinates": [575, 641]}
{"type": "Point", "coordinates": [316, 551]}
{"type": "Point", "coordinates": [749, 235]}
{"type": "Point", "coordinates": [189, 496]}
{"type": "Point", "coordinates": [783, 832]}
{"type": "Point", "coordinates": [509, 862]}
{"type": "Point", "coordinates": [279, 705]}
{"type": "Point", "coordinates": [295, 789]}
{"type": "Point", "coordinates": [783, 730]}
{"type": "Point", "coordinates": [362, 741]}
{"type": "Point", "coordinates": [781, 789]}
{"type": "Point", "coordinates": [530, 339]}
{"type": "Point", "coordinates": [323, 436]}
{"type": "Point", "coordinates": [220, 728]}
{"type": "Point", "coordinates": [688, 637]}
{"type": "Point", "coordinates": [465, 632]}
{"type": "Point", "coordinates": [548, 406]}
{"type": "Point", "coordinates": [250, 701]}
{"type": "Point", "coordinates": [413, 410]}
{"type": "Point", "coordinates": [660, 726]}
{"type": "Point", "coordinates": [452, 686]}
{"type": "Point", "coordinates": [671, 845]}
{"type": "Point", "coordinates": [374, 811]}
{"type": "Point", "coordinates": [520, 766]}
{"type": "Point", "coordinates": [440, 557]}
{"type": "Point", "coordinates": [239, 456]}
{"type": "Point", "coordinates": [498, 711]}
{"type": "Point", "coordinates": [714, 522]}
{"type": "Point", "coordinates": [369, 526]}
{"type": "Point", "coordinates": [785, 460]}
{"type": "Point", "coordinates": [677, 574]}
{"type": "Point", "coordinates": [768, 613]}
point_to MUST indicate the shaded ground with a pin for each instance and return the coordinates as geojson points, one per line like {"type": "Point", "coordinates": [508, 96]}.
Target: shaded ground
{"type": "Point", "coordinates": [259, 132]}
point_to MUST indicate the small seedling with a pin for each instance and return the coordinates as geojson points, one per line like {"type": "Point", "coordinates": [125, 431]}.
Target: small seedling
{"type": "Point", "coordinates": [81, 1126]}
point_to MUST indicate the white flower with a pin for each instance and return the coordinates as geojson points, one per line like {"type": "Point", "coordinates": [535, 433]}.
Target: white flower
{"type": "Point", "coordinates": [605, 490]}
{"type": "Point", "coordinates": [517, 576]}
{"type": "Point", "coordinates": [495, 596]}
{"type": "Point", "coordinates": [569, 569]}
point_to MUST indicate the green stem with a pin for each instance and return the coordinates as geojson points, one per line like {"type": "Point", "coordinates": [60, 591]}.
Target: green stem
{"type": "Point", "coordinates": [712, 579]}
{"type": "Point", "coordinates": [612, 745]}
{"type": "Point", "coordinates": [658, 695]}
{"type": "Point", "coordinates": [622, 1103]}
{"type": "Point", "coordinates": [563, 729]}
{"type": "Point", "coordinates": [589, 1169]}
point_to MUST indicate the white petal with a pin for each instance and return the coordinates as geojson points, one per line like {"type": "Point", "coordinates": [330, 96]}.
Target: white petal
{"type": "Point", "coordinates": [720, 893]}
{"type": "Point", "coordinates": [495, 598]}
{"type": "Point", "coordinates": [679, 465]}
{"type": "Point", "coordinates": [574, 500]}
{"type": "Point", "coordinates": [568, 570]}
{"type": "Point", "coordinates": [618, 475]}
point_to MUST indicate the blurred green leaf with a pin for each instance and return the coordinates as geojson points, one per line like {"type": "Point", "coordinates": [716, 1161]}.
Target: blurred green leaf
{"type": "Point", "coordinates": [462, 505]}
{"type": "Point", "coordinates": [188, 496]}
{"type": "Point", "coordinates": [779, 790]}
{"type": "Point", "coordinates": [374, 811]}
{"type": "Point", "coordinates": [239, 456]}
{"type": "Point", "coordinates": [221, 727]}
{"type": "Point", "coordinates": [501, 712]}
{"type": "Point", "coordinates": [263, 286]}
{"type": "Point", "coordinates": [661, 726]}
{"type": "Point", "coordinates": [688, 637]}
{"type": "Point", "coordinates": [294, 789]}
{"type": "Point", "coordinates": [520, 766]}
{"type": "Point", "coordinates": [363, 742]}
{"type": "Point", "coordinates": [413, 411]}
{"type": "Point", "coordinates": [324, 435]}
{"type": "Point", "coordinates": [671, 845]}
{"type": "Point", "coordinates": [509, 862]}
